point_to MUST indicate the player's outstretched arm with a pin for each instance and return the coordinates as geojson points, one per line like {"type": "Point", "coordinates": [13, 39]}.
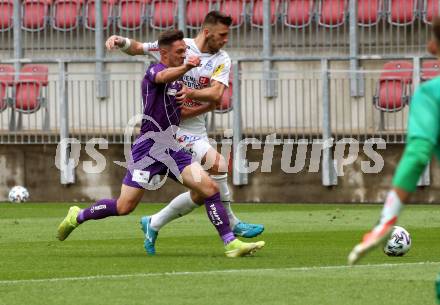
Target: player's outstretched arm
{"type": "Point", "coordinates": [126, 45]}
{"type": "Point", "coordinates": [190, 112]}
{"type": "Point", "coordinates": [174, 73]}
{"type": "Point", "coordinates": [211, 94]}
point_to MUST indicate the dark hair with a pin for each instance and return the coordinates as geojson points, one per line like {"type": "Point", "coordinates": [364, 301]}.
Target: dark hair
{"type": "Point", "coordinates": [436, 29]}
{"type": "Point", "coordinates": [167, 38]}
{"type": "Point", "coordinates": [214, 17]}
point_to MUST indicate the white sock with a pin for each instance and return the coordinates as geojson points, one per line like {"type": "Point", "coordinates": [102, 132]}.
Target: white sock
{"type": "Point", "coordinates": [179, 206]}
{"type": "Point", "coordinates": [390, 211]}
{"type": "Point", "coordinates": [225, 197]}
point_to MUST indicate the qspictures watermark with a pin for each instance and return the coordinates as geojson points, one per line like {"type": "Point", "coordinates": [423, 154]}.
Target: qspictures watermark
{"type": "Point", "coordinates": [344, 152]}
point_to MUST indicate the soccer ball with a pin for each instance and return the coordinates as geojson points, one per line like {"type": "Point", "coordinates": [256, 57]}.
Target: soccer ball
{"type": "Point", "coordinates": [399, 242]}
{"type": "Point", "coordinates": [18, 194]}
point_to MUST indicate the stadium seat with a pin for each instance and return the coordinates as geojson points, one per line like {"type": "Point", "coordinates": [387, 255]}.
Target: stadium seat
{"type": "Point", "coordinates": [196, 11]}
{"type": "Point", "coordinates": [430, 69]}
{"type": "Point", "coordinates": [34, 14]}
{"type": "Point", "coordinates": [7, 74]}
{"type": "Point", "coordinates": [6, 12]}
{"type": "Point", "coordinates": [6, 79]}
{"type": "Point", "coordinates": [90, 15]}
{"type": "Point", "coordinates": [369, 12]}
{"type": "Point", "coordinates": [163, 14]}
{"type": "Point", "coordinates": [235, 9]}
{"type": "Point", "coordinates": [257, 12]}
{"type": "Point", "coordinates": [3, 99]}
{"type": "Point", "coordinates": [394, 89]}
{"type": "Point", "coordinates": [132, 14]}
{"type": "Point", "coordinates": [28, 97]}
{"type": "Point", "coordinates": [226, 102]}
{"type": "Point", "coordinates": [299, 13]}
{"type": "Point", "coordinates": [431, 8]}
{"type": "Point", "coordinates": [332, 13]}
{"type": "Point", "coordinates": [66, 14]}
{"type": "Point", "coordinates": [402, 12]}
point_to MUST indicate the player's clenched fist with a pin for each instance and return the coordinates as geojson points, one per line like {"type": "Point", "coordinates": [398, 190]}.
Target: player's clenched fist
{"type": "Point", "coordinates": [182, 95]}
{"type": "Point", "coordinates": [192, 62]}
{"type": "Point", "coordinates": [115, 42]}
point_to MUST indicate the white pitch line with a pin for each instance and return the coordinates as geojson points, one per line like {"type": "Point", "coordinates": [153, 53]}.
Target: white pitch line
{"type": "Point", "coordinates": [180, 273]}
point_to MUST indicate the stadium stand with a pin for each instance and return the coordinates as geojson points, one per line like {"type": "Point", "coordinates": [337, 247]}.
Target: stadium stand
{"type": "Point", "coordinates": [6, 8]}
{"type": "Point", "coordinates": [298, 13]}
{"type": "Point", "coordinates": [304, 30]}
{"type": "Point", "coordinates": [402, 12]}
{"type": "Point", "coordinates": [6, 80]}
{"type": "Point", "coordinates": [90, 14]}
{"type": "Point", "coordinates": [430, 69]}
{"type": "Point", "coordinates": [236, 9]}
{"type": "Point", "coordinates": [369, 12]}
{"type": "Point", "coordinates": [196, 11]}
{"type": "Point", "coordinates": [332, 13]}
{"type": "Point", "coordinates": [394, 86]}
{"type": "Point", "coordinates": [34, 14]}
{"type": "Point", "coordinates": [132, 14]}
{"type": "Point", "coordinates": [66, 14]}
{"type": "Point", "coordinates": [257, 12]}
{"type": "Point", "coordinates": [431, 8]}
{"type": "Point", "coordinates": [163, 15]}
{"type": "Point", "coordinates": [28, 98]}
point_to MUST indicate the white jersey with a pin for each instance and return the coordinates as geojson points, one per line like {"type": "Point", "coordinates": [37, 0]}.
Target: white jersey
{"type": "Point", "coordinates": [213, 67]}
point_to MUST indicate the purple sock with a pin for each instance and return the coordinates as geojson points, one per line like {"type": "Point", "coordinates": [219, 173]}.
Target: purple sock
{"type": "Point", "coordinates": [101, 209]}
{"type": "Point", "coordinates": [218, 217]}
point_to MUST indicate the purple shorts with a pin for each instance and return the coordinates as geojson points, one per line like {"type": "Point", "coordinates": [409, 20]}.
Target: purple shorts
{"type": "Point", "coordinates": [172, 164]}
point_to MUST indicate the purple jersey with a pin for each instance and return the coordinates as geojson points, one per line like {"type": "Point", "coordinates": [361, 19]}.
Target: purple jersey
{"type": "Point", "coordinates": [159, 101]}
{"type": "Point", "coordinates": [156, 150]}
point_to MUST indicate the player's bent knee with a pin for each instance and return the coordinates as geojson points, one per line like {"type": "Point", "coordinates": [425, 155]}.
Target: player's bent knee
{"type": "Point", "coordinates": [126, 206]}
{"type": "Point", "coordinates": [211, 188]}
{"type": "Point", "coordinates": [197, 198]}
{"type": "Point", "coordinates": [220, 167]}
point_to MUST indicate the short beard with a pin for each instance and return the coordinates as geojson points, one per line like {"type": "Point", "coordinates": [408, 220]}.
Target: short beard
{"type": "Point", "coordinates": [211, 49]}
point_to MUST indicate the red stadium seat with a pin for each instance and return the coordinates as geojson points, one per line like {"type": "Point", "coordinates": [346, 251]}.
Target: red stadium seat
{"type": "Point", "coordinates": [34, 14]}
{"type": "Point", "coordinates": [394, 86]}
{"type": "Point", "coordinates": [257, 12]}
{"type": "Point", "coordinates": [163, 13]}
{"type": "Point", "coordinates": [132, 14]}
{"type": "Point", "coordinates": [235, 9]}
{"type": "Point", "coordinates": [6, 79]}
{"type": "Point", "coordinates": [332, 13]}
{"type": "Point", "coordinates": [402, 12]}
{"type": "Point", "coordinates": [369, 12]}
{"type": "Point", "coordinates": [27, 94]}
{"type": "Point", "coordinates": [7, 74]}
{"type": "Point", "coordinates": [3, 99]}
{"type": "Point", "coordinates": [431, 8]}
{"type": "Point", "coordinates": [196, 11]}
{"type": "Point", "coordinates": [226, 102]}
{"type": "Point", "coordinates": [66, 14]}
{"type": "Point", "coordinates": [298, 13]}
{"type": "Point", "coordinates": [6, 12]}
{"type": "Point", "coordinates": [430, 69]}
{"type": "Point", "coordinates": [90, 13]}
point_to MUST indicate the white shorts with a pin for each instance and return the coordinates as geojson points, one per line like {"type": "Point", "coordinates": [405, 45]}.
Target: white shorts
{"type": "Point", "coordinates": [197, 145]}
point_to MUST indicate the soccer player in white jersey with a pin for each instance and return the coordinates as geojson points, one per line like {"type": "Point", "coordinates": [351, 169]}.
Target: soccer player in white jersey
{"type": "Point", "coordinates": [204, 87]}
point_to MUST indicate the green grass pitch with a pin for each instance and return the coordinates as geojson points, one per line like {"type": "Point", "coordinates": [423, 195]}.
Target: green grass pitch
{"type": "Point", "coordinates": [304, 261]}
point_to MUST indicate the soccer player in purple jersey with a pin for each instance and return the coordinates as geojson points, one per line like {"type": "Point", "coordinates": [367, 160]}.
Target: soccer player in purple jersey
{"type": "Point", "coordinates": [203, 88]}
{"type": "Point", "coordinates": [156, 152]}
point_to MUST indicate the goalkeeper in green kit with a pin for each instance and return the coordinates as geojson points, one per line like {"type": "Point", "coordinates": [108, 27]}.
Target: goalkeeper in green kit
{"type": "Point", "coordinates": [423, 140]}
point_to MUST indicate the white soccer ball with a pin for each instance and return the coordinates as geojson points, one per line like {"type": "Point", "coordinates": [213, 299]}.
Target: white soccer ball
{"type": "Point", "coordinates": [399, 242]}
{"type": "Point", "coordinates": [18, 194]}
